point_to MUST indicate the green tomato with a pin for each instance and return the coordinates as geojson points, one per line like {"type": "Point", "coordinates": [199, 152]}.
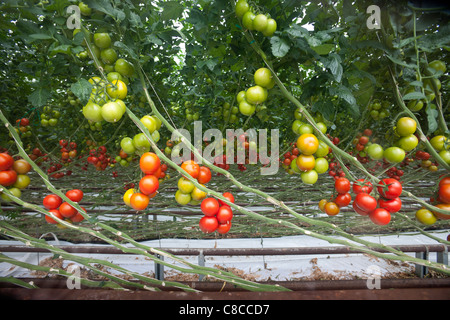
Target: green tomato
{"type": "Point", "coordinates": [127, 145]}
{"type": "Point", "coordinates": [108, 55]}
{"type": "Point", "coordinates": [309, 177]}
{"type": "Point", "coordinates": [92, 111]}
{"type": "Point", "coordinates": [112, 112]}
{"type": "Point", "coordinates": [84, 9]}
{"type": "Point", "coordinates": [125, 68]}
{"type": "Point", "coordinates": [322, 150]}
{"type": "Point", "coordinates": [296, 126]}
{"type": "Point", "coordinates": [256, 94]}
{"type": "Point", "coordinates": [445, 155]}
{"type": "Point", "coordinates": [305, 128]}
{"type": "Point", "coordinates": [394, 154]}
{"type": "Point", "coordinates": [247, 20]}
{"type": "Point", "coordinates": [141, 142]}
{"type": "Point", "coordinates": [438, 65]}
{"type": "Point", "coordinates": [408, 143]}
{"type": "Point", "coordinates": [246, 108]}
{"type": "Point", "coordinates": [182, 198]}
{"type": "Point", "coordinates": [406, 126]}
{"type": "Point", "coordinates": [102, 40]}
{"type": "Point", "coordinates": [321, 165]}
{"type": "Point", "coordinates": [375, 151]}
{"type": "Point", "coordinates": [271, 28]}
{"type": "Point", "coordinates": [241, 8]}
{"type": "Point", "coordinates": [260, 22]}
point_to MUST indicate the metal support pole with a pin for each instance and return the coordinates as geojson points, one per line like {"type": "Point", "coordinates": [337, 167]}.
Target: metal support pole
{"type": "Point", "coordinates": [201, 262]}
{"type": "Point", "coordinates": [421, 271]}
{"type": "Point", "coordinates": [159, 268]}
{"type": "Point", "coordinates": [442, 257]}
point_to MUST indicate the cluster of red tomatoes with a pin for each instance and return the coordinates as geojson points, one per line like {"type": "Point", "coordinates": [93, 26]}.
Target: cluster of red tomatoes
{"type": "Point", "coordinates": [442, 201]}
{"type": "Point", "coordinates": [342, 199]}
{"type": "Point", "coordinates": [187, 192]}
{"type": "Point", "coordinates": [99, 158]}
{"type": "Point", "coordinates": [13, 174]}
{"type": "Point", "coordinates": [24, 127]}
{"type": "Point", "coordinates": [217, 214]}
{"type": "Point", "coordinates": [379, 210]}
{"type": "Point", "coordinates": [68, 150]}
{"type": "Point", "coordinates": [151, 167]}
{"type": "Point", "coordinates": [63, 210]}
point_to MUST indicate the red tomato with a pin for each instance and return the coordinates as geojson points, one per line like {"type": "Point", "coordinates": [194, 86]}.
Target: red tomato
{"type": "Point", "coordinates": [224, 227]}
{"type": "Point", "coordinates": [148, 184]}
{"type": "Point", "coordinates": [67, 211]}
{"type": "Point", "coordinates": [365, 202]}
{"type": "Point", "coordinates": [362, 186]}
{"type": "Point", "coordinates": [8, 177]}
{"type": "Point", "coordinates": [78, 217]}
{"type": "Point", "coordinates": [6, 161]}
{"type": "Point", "coordinates": [208, 224]}
{"type": "Point", "coordinates": [204, 175]}
{"type": "Point", "coordinates": [390, 188]}
{"type": "Point", "coordinates": [342, 185]}
{"type": "Point", "coordinates": [56, 213]}
{"type": "Point", "coordinates": [343, 199]}
{"type": "Point", "coordinates": [358, 210]}
{"type": "Point", "coordinates": [139, 201]}
{"type": "Point", "coordinates": [192, 168]}
{"type": "Point", "coordinates": [210, 207]}
{"type": "Point", "coordinates": [229, 197]}
{"type": "Point", "coordinates": [380, 216]}
{"type": "Point", "coordinates": [225, 214]}
{"type": "Point", "coordinates": [444, 180]}
{"type": "Point", "coordinates": [444, 193]}
{"type": "Point", "coordinates": [75, 195]}
{"type": "Point", "coordinates": [392, 205]}
{"type": "Point", "coordinates": [52, 201]}
{"type": "Point", "coordinates": [149, 162]}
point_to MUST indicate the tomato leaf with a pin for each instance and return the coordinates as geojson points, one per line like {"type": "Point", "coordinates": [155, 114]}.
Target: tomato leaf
{"type": "Point", "coordinates": [39, 97]}
{"type": "Point", "coordinates": [414, 96]}
{"type": "Point", "coordinates": [432, 115]}
{"type": "Point", "coordinates": [172, 10]}
{"type": "Point", "coordinates": [279, 47]}
{"type": "Point", "coordinates": [82, 90]}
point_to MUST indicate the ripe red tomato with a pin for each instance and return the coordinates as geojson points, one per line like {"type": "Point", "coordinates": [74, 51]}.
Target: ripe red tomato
{"type": "Point", "coordinates": [210, 206]}
{"type": "Point", "coordinates": [191, 167]}
{"type": "Point", "coordinates": [444, 193]}
{"type": "Point", "coordinates": [390, 188]}
{"type": "Point", "coordinates": [365, 202]}
{"type": "Point", "coordinates": [342, 185]}
{"type": "Point", "coordinates": [362, 186]}
{"type": "Point", "coordinates": [149, 162]}
{"type": "Point", "coordinates": [225, 214]}
{"type": "Point", "coordinates": [358, 210]}
{"type": "Point", "coordinates": [224, 227]}
{"type": "Point", "coordinates": [6, 161]}
{"type": "Point", "coordinates": [52, 201]}
{"type": "Point", "coordinates": [229, 197]}
{"type": "Point", "coordinates": [67, 211]}
{"type": "Point", "coordinates": [208, 224]}
{"type": "Point", "coordinates": [75, 195]}
{"type": "Point", "coordinates": [380, 216]}
{"type": "Point", "coordinates": [148, 184]}
{"type": "Point", "coordinates": [392, 205]}
{"type": "Point", "coordinates": [343, 199]}
{"type": "Point", "coordinates": [444, 180]}
{"type": "Point", "coordinates": [8, 177]}
{"type": "Point", "coordinates": [56, 213]}
{"type": "Point", "coordinates": [204, 175]}
{"type": "Point", "coordinates": [78, 217]}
